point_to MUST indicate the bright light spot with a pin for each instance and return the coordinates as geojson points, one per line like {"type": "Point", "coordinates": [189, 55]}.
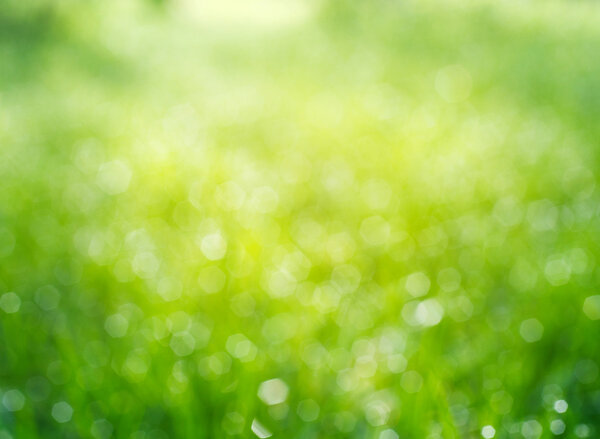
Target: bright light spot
{"type": "Point", "coordinates": [308, 410]}
{"type": "Point", "coordinates": [260, 430]}
{"type": "Point", "coordinates": [230, 196]}
{"type": "Point", "coordinates": [542, 215]}
{"type": "Point", "coordinates": [377, 412]}
{"type": "Point", "coordinates": [388, 434]}
{"type": "Point", "coordinates": [557, 271]}
{"type": "Point", "coordinates": [531, 330]}
{"type": "Point", "coordinates": [241, 348]}
{"type": "Point", "coordinates": [397, 363]}
{"type": "Point", "coordinates": [178, 321]}
{"type": "Point", "coordinates": [182, 343]}
{"type": "Point", "coordinates": [557, 426]}
{"type": "Point", "coordinates": [47, 297]}
{"type": "Point", "coordinates": [551, 393]}
{"type": "Point", "coordinates": [429, 313]}
{"type": "Point", "coordinates": [279, 282]}
{"type": "Point", "coordinates": [578, 260]}
{"type": "Point", "coordinates": [13, 400]}
{"type": "Point", "coordinates": [273, 391]}
{"type": "Point", "coordinates": [233, 423]}
{"type": "Point", "coordinates": [116, 325]}
{"type": "Point", "coordinates": [340, 247]}
{"type": "Point", "coordinates": [145, 265]}
{"type": "Point", "coordinates": [376, 194]}
{"type": "Point", "coordinates": [114, 177]}
{"type": "Point", "coordinates": [561, 406]}
{"type": "Point", "coordinates": [507, 212]}
{"type": "Point", "coordinates": [582, 430]}
{"type": "Point", "coordinates": [392, 341]}
{"type": "Point", "coordinates": [314, 355]}
{"type": "Point", "coordinates": [375, 230]}
{"type": "Point", "coordinates": [62, 412]}
{"type": "Point", "coordinates": [214, 246]}
{"type": "Point", "coordinates": [460, 308]}
{"type": "Point", "coordinates": [169, 288]}
{"type": "Point", "coordinates": [137, 362]}
{"type": "Point", "coordinates": [308, 233]}
{"type": "Point", "coordinates": [101, 429]}
{"type": "Point", "coordinates": [531, 429]}
{"type": "Point", "coordinates": [326, 298]}
{"type": "Point", "coordinates": [216, 364]}
{"type": "Point", "coordinates": [10, 303]}
{"type": "Point", "coordinates": [347, 380]}
{"type": "Point", "coordinates": [346, 278]}
{"type": "Point", "coordinates": [591, 307]}
{"type": "Point", "coordinates": [365, 366]}
{"type": "Point", "coordinates": [417, 284]}
{"type": "Point", "coordinates": [488, 432]}
{"type": "Point", "coordinates": [411, 381]}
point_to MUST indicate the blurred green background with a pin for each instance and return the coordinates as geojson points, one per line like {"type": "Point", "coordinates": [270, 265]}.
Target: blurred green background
{"type": "Point", "coordinates": [299, 219]}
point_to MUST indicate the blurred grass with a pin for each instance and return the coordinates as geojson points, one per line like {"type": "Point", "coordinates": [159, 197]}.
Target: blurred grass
{"type": "Point", "coordinates": [395, 203]}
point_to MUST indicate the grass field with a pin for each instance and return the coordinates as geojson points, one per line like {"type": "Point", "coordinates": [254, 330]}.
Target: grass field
{"type": "Point", "coordinates": [299, 219]}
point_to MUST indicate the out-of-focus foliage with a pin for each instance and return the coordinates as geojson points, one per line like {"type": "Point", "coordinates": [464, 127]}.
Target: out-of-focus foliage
{"type": "Point", "coordinates": [299, 219]}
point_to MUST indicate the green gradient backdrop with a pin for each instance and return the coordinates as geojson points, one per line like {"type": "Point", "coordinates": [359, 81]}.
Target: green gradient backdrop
{"type": "Point", "coordinates": [300, 219]}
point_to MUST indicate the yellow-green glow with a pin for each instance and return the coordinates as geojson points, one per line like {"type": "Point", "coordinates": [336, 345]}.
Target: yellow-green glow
{"type": "Point", "coordinates": [299, 219]}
